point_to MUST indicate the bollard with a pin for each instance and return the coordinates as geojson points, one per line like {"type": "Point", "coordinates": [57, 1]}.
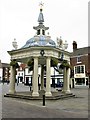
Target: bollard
{"type": "Point", "coordinates": [43, 100]}
{"type": "Point", "coordinates": [30, 88]}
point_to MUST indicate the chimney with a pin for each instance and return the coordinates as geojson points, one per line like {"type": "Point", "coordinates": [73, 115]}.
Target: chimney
{"type": "Point", "coordinates": [74, 45]}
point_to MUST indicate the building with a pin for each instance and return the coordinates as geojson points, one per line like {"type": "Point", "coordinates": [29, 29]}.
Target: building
{"type": "Point", "coordinates": [80, 58]}
{"type": "Point", "coordinates": [20, 73]}
{"type": "Point", "coordinates": [25, 76]}
{"type": "Point", "coordinates": [4, 71]}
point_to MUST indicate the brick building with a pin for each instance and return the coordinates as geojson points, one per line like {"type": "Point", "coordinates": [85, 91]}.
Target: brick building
{"type": "Point", "coordinates": [4, 71]}
{"type": "Point", "coordinates": [80, 58]}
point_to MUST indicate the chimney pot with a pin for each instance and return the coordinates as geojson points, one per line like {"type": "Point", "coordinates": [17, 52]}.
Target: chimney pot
{"type": "Point", "coordinates": [74, 45]}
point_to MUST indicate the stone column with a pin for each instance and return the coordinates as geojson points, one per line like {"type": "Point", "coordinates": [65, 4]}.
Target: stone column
{"type": "Point", "coordinates": [42, 77]}
{"type": "Point", "coordinates": [48, 77]}
{"type": "Point", "coordinates": [12, 80]}
{"type": "Point", "coordinates": [68, 81]}
{"type": "Point", "coordinates": [66, 78]}
{"type": "Point", "coordinates": [32, 79]}
{"type": "Point", "coordinates": [35, 79]}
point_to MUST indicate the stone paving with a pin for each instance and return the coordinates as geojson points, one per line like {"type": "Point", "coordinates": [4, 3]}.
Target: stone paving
{"type": "Point", "coordinates": [65, 108]}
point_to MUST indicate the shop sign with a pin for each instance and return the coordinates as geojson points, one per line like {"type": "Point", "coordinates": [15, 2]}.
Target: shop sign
{"type": "Point", "coordinates": [79, 75]}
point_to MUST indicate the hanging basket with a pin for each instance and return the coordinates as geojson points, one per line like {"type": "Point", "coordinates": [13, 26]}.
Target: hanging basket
{"type": "Point", "coordinates": [14, 63]}
{"type": "Point", "coordinates": [65, 64]}
{"type": "Point", "coordinates": [30, 68]}
{"type": "Point", "coordinates": [54, 62]}
{"type": "Point", "coordinates": [30, 64]}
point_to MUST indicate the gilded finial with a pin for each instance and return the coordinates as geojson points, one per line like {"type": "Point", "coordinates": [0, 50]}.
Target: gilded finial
{"type": "Point", "coordinates": [41, 5]}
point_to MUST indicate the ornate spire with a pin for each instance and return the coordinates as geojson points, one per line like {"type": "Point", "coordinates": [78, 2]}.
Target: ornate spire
{"type": "Point", "coordinates": [41, 4]}
{"type": "Point", "coordinates": [41, 18]}
{"type": "Point", "coordinates": [41, 28]}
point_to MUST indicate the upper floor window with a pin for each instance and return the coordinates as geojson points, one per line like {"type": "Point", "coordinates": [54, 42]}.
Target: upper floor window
{"type": "Point", "coordinates": [19, 74]}
{"type": "Point", "coordinates": [78, 59]}
{"type": "Point", "coordinates": [79, 69]}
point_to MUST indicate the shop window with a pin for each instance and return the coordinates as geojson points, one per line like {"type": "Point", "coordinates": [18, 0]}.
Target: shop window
{"type": "Point", "coordinates": [80, 81]}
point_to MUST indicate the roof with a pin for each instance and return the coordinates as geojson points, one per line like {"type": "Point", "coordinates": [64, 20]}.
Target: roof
{"type": "Point", "coordinates": [40, 26]}
{"type": "Point", "coordinates": [39, 41]}
{"type": "Point", "coordinates": [23, 65]}
{"type": "Point", "coordinates": [4, 65]}
{"type": "Point", "coordinates": [81, 51]}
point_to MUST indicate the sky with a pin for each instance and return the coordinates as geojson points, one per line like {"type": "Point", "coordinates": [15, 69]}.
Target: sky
{"type": "Point", "coordinates": [65, 18]}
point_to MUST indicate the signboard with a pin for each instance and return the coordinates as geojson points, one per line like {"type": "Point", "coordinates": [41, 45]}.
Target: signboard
{"type": "Point", "coordinates": [79, 75]}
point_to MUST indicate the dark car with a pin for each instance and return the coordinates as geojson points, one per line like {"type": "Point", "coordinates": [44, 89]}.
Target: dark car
{"type": "Point", "coordinates": [59, 84]}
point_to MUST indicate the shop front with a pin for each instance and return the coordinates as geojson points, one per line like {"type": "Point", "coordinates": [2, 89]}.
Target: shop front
{"type": "Point", "coordinates": [80, 80]}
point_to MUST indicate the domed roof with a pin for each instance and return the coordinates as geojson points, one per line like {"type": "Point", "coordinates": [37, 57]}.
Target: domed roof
{"type": "Point", "coordinates": [39, 41]}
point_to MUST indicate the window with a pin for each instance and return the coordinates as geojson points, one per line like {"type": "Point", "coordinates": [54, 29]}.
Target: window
{"type": "Point", "coordinates": [82, 69]}
{"type": "Point", "coordinates": [78, 59]}
{"type": "Point", "coordinates": [75, 70]}
{"type": "Point", "coordinates": [79, 69]}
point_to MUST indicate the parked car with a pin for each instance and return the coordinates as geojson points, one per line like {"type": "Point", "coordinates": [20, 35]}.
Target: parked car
{"type": "Point", "coordinates": [59, 84]}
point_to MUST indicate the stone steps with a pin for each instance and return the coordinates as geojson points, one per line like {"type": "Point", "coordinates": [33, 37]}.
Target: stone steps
{"type": "Point", "coordinates": [29, 97]}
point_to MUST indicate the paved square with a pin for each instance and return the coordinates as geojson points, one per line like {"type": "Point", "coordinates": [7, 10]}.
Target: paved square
{"type": "Point", "coordinates": [63, 108]}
